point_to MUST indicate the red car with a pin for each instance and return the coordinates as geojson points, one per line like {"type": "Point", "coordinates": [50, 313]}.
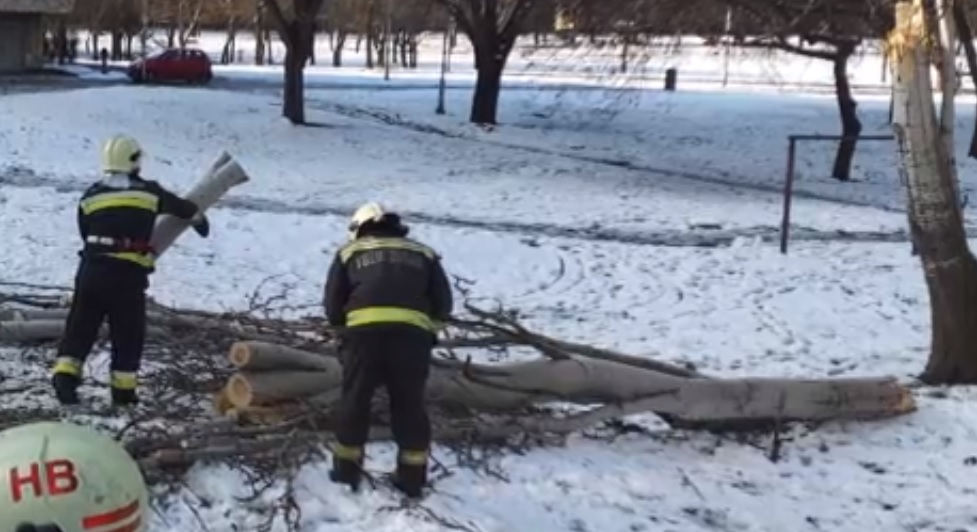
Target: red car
{"type": "Point", "coordinates": [186, 65]}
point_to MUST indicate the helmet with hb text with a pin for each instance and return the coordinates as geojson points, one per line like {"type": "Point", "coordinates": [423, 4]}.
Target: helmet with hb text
{"type": "Point", "coordinates": [122, 154]}
{"type": "Point", "coordinates": [372, 213]}
{"type": "Point", "coordinates": [63, 477]}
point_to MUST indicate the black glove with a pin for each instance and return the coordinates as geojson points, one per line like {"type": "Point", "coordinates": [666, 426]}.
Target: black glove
{"type": "Point", "coordinates": [202, 226]}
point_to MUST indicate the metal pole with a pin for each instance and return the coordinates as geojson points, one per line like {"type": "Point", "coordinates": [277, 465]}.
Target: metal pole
{"type": "Point", "coordinates": [788, 193]}
{"type": "Point", "coordinates": [444, 69]}
{"type": "Point", "coordinates": [144, 36]}
{"type": "Point", "coordinates": [388, 56]}
{"type": "Point", "coordinates": [728, 38]}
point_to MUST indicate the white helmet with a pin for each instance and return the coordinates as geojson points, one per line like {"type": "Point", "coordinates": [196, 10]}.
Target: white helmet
{"type": "Point", "coordinates": [368, 212]}
{"type": "Point", "coordinates": [71, 477]}
{"type": "Point", "coordinates": [121, 154]}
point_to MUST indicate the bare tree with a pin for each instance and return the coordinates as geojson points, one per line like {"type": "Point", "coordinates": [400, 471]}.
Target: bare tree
{"type": "Point", "coordinates": [91, 15]}
{"type": "Point", "coordinates": [935, 216]}
{"type": "Point", "coordinates": [492, 26]}
{"type": "Point", "coordinates": [296, 28]}
{"type": "Point", "coordinates": [966, 35]}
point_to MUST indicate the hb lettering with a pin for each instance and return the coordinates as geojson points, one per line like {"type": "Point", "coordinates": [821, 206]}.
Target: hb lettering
{"type": "Point", "coordinates": [59, 478]}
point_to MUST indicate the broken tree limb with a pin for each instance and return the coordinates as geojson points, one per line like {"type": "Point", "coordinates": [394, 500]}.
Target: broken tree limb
{"type": "Point", "coordinates": [22, 314]}
{"type": "Point", "coordinates": [259, 356]}
{"type": "Point", "coordinates": [502, 326]}
{"type": "Point", "coordinates": [224, 174]}
{"type": "Point", "coordinates": [30, 331]}
{"type": "Point", "coordinates": [584, 381]}
{"type": "Point", "coordinates": [45, 330]}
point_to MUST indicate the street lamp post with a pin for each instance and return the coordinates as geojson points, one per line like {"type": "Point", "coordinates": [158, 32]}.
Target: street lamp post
{"type": "Point", "coordinates": [144, 36]}
{"type": "Point", "coordinates": [387, 51]}
{"type": "Point", "coordinates": [445, 52]}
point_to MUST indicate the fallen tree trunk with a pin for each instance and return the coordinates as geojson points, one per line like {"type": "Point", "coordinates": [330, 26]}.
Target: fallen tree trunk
{"type": "Point", "coordinates": [32, 331]}
{"type": "Point", "coordinates": [15, 314]}
{"type": "Point", "coordinates": [595, 381]}
{"type": "Point", "coordinates": [258, 356]}
{"type": "Point", "coordinates": [265, 388]}
{"type": "Point", "coordinates": [224, 174]}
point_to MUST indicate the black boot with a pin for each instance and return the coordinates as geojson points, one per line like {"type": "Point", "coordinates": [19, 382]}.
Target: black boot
{"type": "Point", "coordinates": [66, 388]}
{"type": "Point", "coordinates": [346, 472]}
{"type": "Point", "coordinates": [124, 398]}
{"type": "Point", "coordinates": [410, 479]}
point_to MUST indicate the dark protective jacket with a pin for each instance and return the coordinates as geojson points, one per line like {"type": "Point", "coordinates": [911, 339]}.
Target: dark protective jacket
{"type": "Point", "coordinates": [385, 279]}
{"type": "Point", "coordinates": [116, 217]}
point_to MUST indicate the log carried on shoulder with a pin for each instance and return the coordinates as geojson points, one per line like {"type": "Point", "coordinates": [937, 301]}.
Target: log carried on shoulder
{"type": "Point", "coordinates": [34, 325]}
{"type": "Point", "coordinates": [224, 174]}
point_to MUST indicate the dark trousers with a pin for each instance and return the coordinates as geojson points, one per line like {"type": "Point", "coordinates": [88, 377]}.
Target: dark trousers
{"type": "Point", "coordinates": [116, 292]}
{"type": "Point", "coordinates": [399, 358]}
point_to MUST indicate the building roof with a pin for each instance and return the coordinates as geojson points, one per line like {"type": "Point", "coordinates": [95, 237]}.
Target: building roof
{"type": "Point", "coordinates": [43, 7]}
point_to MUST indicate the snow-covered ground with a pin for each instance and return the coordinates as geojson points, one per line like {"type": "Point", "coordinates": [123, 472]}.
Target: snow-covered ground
{"type": "Point", "coordinates": [544, 213]}
{"type": "Point", "coordinates": [586, 64]}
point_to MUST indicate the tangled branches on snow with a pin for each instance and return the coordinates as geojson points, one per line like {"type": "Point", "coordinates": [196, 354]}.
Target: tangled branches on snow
{"type": "Point", "coordinates": [270, 404]}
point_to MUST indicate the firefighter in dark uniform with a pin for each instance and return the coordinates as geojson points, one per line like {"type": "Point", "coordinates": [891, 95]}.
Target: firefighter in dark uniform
{"type": "Point", "coordinates": [116, 217]}
{"type": "Point", "coordinates": [390, 294]}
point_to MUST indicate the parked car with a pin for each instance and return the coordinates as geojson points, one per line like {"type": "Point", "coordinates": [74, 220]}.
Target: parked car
{"type": "Point", "coordinates": [186, 65]}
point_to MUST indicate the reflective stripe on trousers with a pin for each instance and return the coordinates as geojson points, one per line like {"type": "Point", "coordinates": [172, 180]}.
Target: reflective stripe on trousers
{"type": "Point", "coordinates": [124, 380]}
{"type": "Point", "coordinates": [372, 315]}
{"type": "Point", "coordinates": [348, 452]}
{"type": "Point", "coordinates": [414, 458]}
{"type": "Point", "coordinates": [68, 366]}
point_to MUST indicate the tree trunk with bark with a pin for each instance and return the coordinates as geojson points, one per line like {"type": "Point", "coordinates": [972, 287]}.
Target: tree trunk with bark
{"type": "Point", "coordinates": [293, 106]}
{"type": "Point", "coordinates": [117, 45]}
{"type": "Point", "coordinates": [492, 29]}
{"type": "Point", "coordinates": [851, 127]}
{"type": "Point", "coordinates": [311, 45]}
{"type": "Point", "coordinates": [337, 50]}
{"type": "Point", "coordinates": [229, 49]}
{"type": "Point", "coordinates": [935, 216]}
{"type": "Point", "coordinates": [368, 31]}
{"type": "Point", "coordinates": [966, 35]}
{"type": "Point", "coordinates": [412, 59]}
{"type": "Point", "coordinates": [297, 31]}
{"type": "Point", "coordinates": [488, 86]}
{"type": "Point", "coordinates": [270, 374]}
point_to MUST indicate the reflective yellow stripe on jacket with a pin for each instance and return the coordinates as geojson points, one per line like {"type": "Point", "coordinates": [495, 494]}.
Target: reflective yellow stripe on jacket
{"type": "Point", "coordinates": [146, 261]}
{"type": "Point", "coordinates": [368, 243]}
{"type": "Point", "coordinates": [374, 315]}
{"type": "Point", "coordinates": [127, 198]}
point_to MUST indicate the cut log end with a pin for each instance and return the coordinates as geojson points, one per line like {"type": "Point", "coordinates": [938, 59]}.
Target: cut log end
{"type": "Point", "coordinates": [222, 403]}
{"type": "Point", "coordinates": [240, 354]}
{"type": "Point", "coordinates": [906, 402]}
{"type": "Point", "coordinates": [239, 392]}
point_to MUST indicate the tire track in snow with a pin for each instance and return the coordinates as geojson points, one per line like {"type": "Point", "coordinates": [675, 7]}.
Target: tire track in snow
{"type": "Point", "coordinates": [396, 120]}
{"type": "Point", "coordinates": [695, 236]}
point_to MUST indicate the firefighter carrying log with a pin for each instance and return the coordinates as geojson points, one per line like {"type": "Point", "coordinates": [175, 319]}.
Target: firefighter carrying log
{"type": "Point", "coordinates": [116, 217]}
{"type": "Point", "coordinates": [390, 294]}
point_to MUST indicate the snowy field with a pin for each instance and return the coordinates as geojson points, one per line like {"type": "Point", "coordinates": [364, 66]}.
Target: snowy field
{"type": "Point", "coordinates": [590, 211]}
{"type": "Point", "coordinates": [590, 65]}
